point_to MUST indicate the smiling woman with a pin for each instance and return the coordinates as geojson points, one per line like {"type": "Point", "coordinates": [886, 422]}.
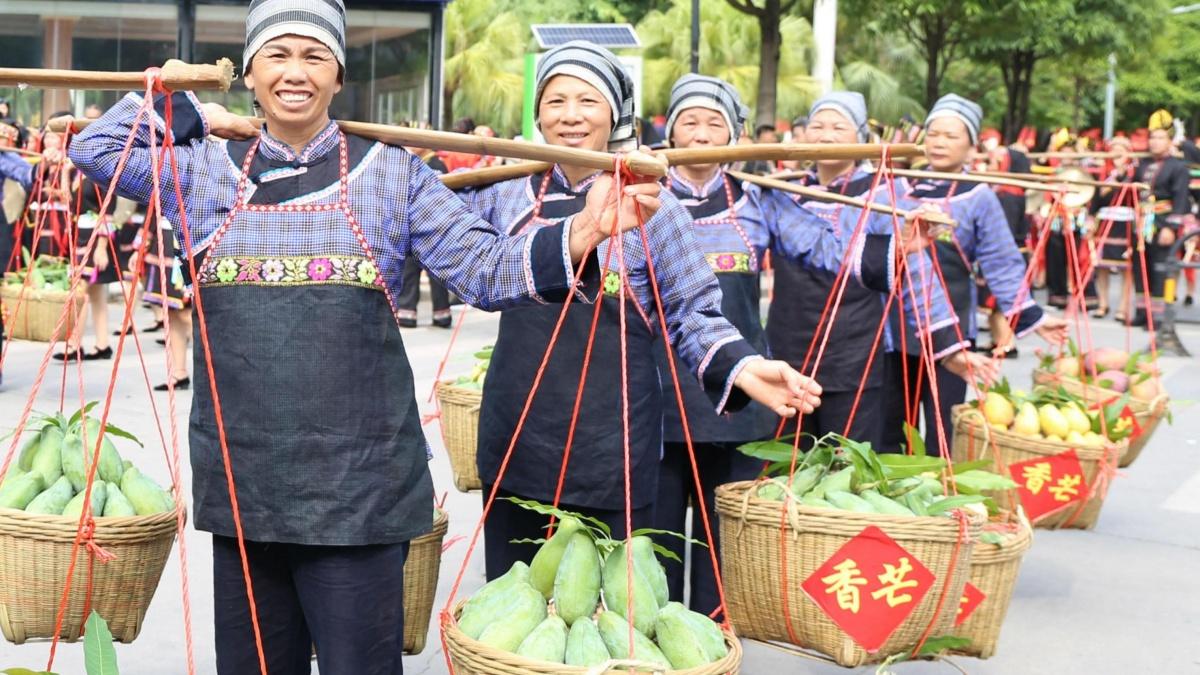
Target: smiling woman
{"type": "Point", "coordinates": [298, 237]}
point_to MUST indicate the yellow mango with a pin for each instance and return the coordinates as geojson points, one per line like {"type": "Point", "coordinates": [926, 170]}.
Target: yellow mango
{"type": "Point", "coordinates": [998, 409]}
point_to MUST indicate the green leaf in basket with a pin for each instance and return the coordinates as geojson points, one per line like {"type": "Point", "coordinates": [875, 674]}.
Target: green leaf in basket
{"type": "Point", "coordinates": [597, 528]}
{"type": "Point", "coordinates": [950, 503]}
{"type": "Point", "coordinates": [121, 433]}
{"type": "Point", "coordinates": [99, 656]}
{"type": "Point", "coordinates": [79, 413]}
{"type": "Point", "coordinates": [917, 447]}
{"type": "Point", "coordinates": [769, 451]}
{"type": "Point", "coordinates": [974, 482]}
{"type": "Point", "coordinates": [939, 644]}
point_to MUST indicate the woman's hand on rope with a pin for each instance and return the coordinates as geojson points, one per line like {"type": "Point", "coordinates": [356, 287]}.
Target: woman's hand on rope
{"type": "Point", "coordinates": [1054, 330]}
{"type": "Point", "coordinates": [918, 232]}
{"type": "Point", "coordinates": [967, 365]}
{"type": "Point", "coordinates": [224, 124]}
{"type": "Point", "coordinates": [638, 204]}
{"type": "Point", "coordinates": [779, 387]}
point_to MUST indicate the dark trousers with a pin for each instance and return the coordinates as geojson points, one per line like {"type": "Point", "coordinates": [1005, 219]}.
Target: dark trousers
{"type": "Point", "coordinates": [1056, 269]}
{"type": "Point", "coordinates": [346, 600]}
{"type": "Point", "coordinates": [834, 412]}
{"type": "Point", "coordinates": [1156, 258]}
{"type": "Point", "coordinates": [507, 522]}
{"type": "Point", "coordinates": [410, 293]}
{"type": "Point", "coordinates": [952, 390]}
{"type": "Point", "coordinates": [718, 463]}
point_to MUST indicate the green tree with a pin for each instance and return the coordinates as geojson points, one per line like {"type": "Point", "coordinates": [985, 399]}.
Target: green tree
{"type": "Point", "coordinates": [940, 30]}
{"type": "Point", "coordinates": [770, 16]}
{"type": "Point", "coordinates": [727, 36]}
{"type": "Point", "coordinates": [483, 69]}
{"type": "Point", "coordinates": [1081, 31]}
{"type": "Point", "coordinates": [1162, 73]}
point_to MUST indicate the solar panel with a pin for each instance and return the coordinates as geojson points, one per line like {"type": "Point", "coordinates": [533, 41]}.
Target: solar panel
{"type": "Point", "coordinates": [610, 35]}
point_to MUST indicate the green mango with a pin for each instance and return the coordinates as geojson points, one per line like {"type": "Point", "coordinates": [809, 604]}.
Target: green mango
{"type": "Point", "coordinates": [884, 504]}
{"type": "Point", "coordinates": [614, 630]}
{"type": "Point", "coordinates": [616, 592]}
{"type": "Point", "coordinates": [111, 467]}
{"type": "Point", "coordinates": [30, 449]}
{"type": "Point", "coordinates": [525, 608]}
{"type": "Point", "coordinates": [678, 642]}
{"type": "Point", "coordinates": [145, 495]}
{"type": "Point", "coordinates": [646, 562]}
{"type": "Point", "coordinates": [577, 584]}
{"type": "Point", "coordinates": [488, 602]}
{"type": "Point", "coordinates": [585, 646]}
{"type": "Point", "coordinates": [544, 566]}
{"type": "Point", "coordinates": [53, 499]}
{"type": "Point", "coordinates": [73, 466]}
{"type": "Point", "coordinates": [838, 481]}
{"type": "Point", "coordinates": [847, 501]}
{"type": "Point", "coordinates": [48, 459]}
{"type": "Point", "coordinates": [806, 479]}
{"type": "Point", "coordinates": [99, 496]}
{"type": "Point", "coordinates": [116, 505]}
{"type": "Point", "coordinates": [547, 642]}
{"type": "Point", "coordinates": [19, 489]}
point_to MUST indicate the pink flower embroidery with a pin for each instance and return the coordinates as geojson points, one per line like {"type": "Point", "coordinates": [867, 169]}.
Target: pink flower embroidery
{"type": "Point", "coordinates": [320, 269]}
{"type": "Point", "coordinates": [725, 262]}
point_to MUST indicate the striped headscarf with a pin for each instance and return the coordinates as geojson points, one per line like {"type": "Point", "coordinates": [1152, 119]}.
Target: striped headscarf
{"type": "Point", "coordinates": [599, 68]}
{"type": "Point", "coordinates": [848, 104]}
{"type": "Point", "coordinates": [964, 110]}
{"type": "Point", "coordinates": [700, 91]}
{"type": "Point", "coordinates": [321, 20]}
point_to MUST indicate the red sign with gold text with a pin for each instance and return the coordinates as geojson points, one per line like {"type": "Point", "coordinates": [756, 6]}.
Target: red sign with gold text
{"type": "Point", "coordinates": [869, 587]}
{"type": "Point", "coordinates": [971, 599]}
{"type": "Point", "coordinates": [1047, 485]}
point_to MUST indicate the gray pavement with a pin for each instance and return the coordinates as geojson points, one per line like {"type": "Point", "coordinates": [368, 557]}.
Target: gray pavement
{"type": "Point", "coordinates": [1124, 598]}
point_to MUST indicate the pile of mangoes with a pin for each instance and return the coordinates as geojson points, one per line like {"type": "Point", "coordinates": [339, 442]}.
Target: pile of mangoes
{"type": "Point", "coordinates": [1115, 369]}
{"type": "Point", "coordinates": [1054, 415]}
{"type": "Point", "coordinates": [571, 605]}
{"type": "Point", "coordinates": [483, 358]}
{"type": "Point", "coordinates": [44, 272]}
{"type": "Point", "coordinates": [50, 474]}
{"type": "Point", "coordinates": [842, 474]}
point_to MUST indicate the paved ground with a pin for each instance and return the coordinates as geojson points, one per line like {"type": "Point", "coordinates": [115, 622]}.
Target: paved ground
{"type": "Point", "coordinates": [1121, 599]}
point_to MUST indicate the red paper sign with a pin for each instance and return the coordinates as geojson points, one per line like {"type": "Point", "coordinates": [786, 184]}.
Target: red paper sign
{"type": "Point", "coordinates": [1049, 484]}
{"type": "Point", "coordinates": [869, 587]}
{"type": "Point", "coordinates": [971, 599]}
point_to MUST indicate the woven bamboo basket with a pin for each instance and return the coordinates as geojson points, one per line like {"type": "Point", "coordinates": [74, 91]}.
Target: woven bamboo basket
{"type": "Point", "coordinates": [1147, 413]}
{"type": "Point", "coordinates": [471, 657]}
{"type": "Point", "coordinates": [994, 572]}
{"type": "Point", "coordinates": [35, 553]}
{"type": "Point", "coordinates": [752, 571]}
{"type": "Point", "coordinates": [460, 432]}
{"type": "Point", "coordinates": [974, 439]}
{"type": "Point", "coordinates": [420, 582]}
{"type": "Point", "coordinates": [32, 314]}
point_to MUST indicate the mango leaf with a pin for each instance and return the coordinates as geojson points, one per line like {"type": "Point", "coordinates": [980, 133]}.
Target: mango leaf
{"type": "Point", "coordinates": [917, 448]}
{"type": "Point", "coordinates": [939, 644]}
{"type": "Point", "coordinates": [950, 503]}
{"type": "Point", "coordinates": [646, 531]}
{"type": "Point", "coordinates": [973, 465]}
{"type": "Point", "coordinates": [539, 542]}
{"type": "Point", "coordinates": [121, 433]}
{"type": "Point", "coordinates": [590, 523]}
{"type": "Point", "coordinates": [769, 451]}
{"type": "Point", "coordinates": [979, 481]}
{"type": "Point", "coordinates": [99, 656]}
{"type": "Point", "coordinates": [80, 413]}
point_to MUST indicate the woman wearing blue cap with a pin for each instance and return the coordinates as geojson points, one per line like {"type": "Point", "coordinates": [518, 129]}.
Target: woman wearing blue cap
{"type": "Point", "coordinates": [300, 234]}
{"type": "Point", "coordinates": [982, 244]}
{"type": "Point", "coordinates": [734, 225]}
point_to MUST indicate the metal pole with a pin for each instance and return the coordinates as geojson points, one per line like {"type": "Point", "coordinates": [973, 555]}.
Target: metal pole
{"type": "Point", "coordinates": [185, 46]}
{"type": "Point", "coordinates": [1110, 96]}
{"type": "Point", "coordinates": [695, 36]}
{"type": "Point", "coordinates": [825, 33]}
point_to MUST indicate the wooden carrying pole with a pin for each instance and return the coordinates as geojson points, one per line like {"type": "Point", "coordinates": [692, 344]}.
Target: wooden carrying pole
{"type": "Point", "coordinates": [492, 174]}
{"type": "Point", "coordinates": [1094, 154]}
{"type": "Point", "coordinates": [826, 196]}
{"type": "Point", "coordinates": [977, 178]}
{"type": "Point", "coordinates": [787, 151]}
{"type": "Point", "coordinates": [1054, 178]}
{"type": "Point", "coordinates": [176, 75]}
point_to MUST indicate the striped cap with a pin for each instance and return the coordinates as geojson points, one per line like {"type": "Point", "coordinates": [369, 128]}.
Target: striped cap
{"type": "Point", "coordinates": [953, 105]}
{"type": "Point", "coordinates": [701, 91]}
{"type": "Point", "coordinates": [321, 20]}
{"type": "Point", "coordinates": [848, 104]}
{"type": "Point", "coordinates": [600, 68]}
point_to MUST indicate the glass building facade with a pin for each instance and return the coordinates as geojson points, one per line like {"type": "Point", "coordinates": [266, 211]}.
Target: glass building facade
{"type": "Point", "coordinates": [393, 69]}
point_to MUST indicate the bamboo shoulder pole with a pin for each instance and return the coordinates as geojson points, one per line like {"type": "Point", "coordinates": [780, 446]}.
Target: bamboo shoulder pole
{"type": "Point", "coordinates": [1052, 178]}
{"type": "Point", "coordinates": [976, 178]}
{"type": "Point", "coordinates": [826, 196]}
{"type": "Point", "coordinates": [787, 151]}
{"type": "Point", "coordinates": [176, 75]}
{"type": "Point", "coordinates": [1097, 154]}
{"type": "Point", "coordinates": [493, 174]}
{"type": "Point", "coordinates": [638, 163]}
